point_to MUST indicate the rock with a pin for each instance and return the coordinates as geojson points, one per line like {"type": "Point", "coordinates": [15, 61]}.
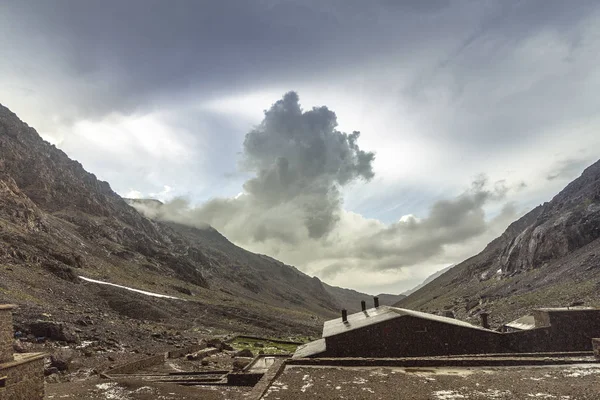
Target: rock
{"type": "Point", "coordinates": [214, 342]}
{"type": "Point", "coordinates": [258, 344]}
{"type": "Point", "coordinates": [204, 362]}
{"type": "Point", "coordinates": [241, 363]}
{"type": "Point", "coordinates": [219, 344]}
{"type": "Point", "coordinates": [52, 330]}
{"type": "Point", "coordinates": [50, 371]}
{"type": "Point", "coordinates": [61, 359]}
{"type": "Point", "coordinates": [227, 346]}
{"type": "Point", "coordinates": [191, 357]}
{"type": "Point", "coordinates": [244, 353]}
{"type": "Point", "coordinates": [20, 347]}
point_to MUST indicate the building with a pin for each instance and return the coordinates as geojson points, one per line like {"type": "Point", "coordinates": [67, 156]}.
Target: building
{"type": "Point", "coordinates": [395, 332]}
{"type": "Point", "coordinates": [21, 375]}
{"type": "Point", "coordinates": [385, 331]}
{"type": "Point", "coordinates": [555, 330]}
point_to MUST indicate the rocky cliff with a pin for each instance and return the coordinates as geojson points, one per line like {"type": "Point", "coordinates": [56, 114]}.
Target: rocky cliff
{"type": "Point", "coordinates": [549, 257]}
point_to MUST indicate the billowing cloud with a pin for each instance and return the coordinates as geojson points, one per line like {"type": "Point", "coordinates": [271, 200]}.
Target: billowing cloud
{"type": "Point", "coordinates": [299, 162]}
{"type": "Point", "coordinates": [291, 207]}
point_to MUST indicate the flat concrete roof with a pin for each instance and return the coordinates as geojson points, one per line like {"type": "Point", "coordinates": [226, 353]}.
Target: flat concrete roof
{"type": "Point", "coordinates": [575, 381]}
{"type": "Point", "coordinates": [567, 309]}
{"type": "Point", "coordinates": [384, 313]}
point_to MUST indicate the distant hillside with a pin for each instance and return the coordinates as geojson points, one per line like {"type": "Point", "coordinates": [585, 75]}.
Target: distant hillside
{"type": "Point", "coordinates": [549, 257]}
{"type": "Point", "coordinates": [350, 299]}
{"type": "Point", "coordinates": [427, 280]}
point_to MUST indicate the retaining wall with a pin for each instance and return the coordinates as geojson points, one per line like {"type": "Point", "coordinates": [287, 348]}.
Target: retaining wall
{"type": "Point", "coordinates": [135, 366]}
{"type": "Point", "coordinates": [24, 379]}
{"type": "Point", "coordinates": [6, 333]}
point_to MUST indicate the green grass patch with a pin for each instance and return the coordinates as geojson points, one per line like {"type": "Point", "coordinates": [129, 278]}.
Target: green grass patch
{"type": "Point", "coordinates": [267, 345]}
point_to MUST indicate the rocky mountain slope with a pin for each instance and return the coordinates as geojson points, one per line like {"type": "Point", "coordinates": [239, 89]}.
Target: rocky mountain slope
{"type": "Point", "coordinates": [549, 257]}
{"type": "Point", "coordinates": [430, 278]}
{"type": "Point", "coordinates": [212, 242]}
{"type": "Point", "coordinates": [350, 299]}
{"type": "Point", "coordinates": [58, 222]}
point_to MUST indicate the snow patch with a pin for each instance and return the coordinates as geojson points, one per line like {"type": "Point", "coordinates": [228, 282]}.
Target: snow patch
{"type": "Point", "coordinates": [448, 395]}
{"type": "Point", "coordinates": [112, 391]}
{"type": "Point", "coordinates": [308, 383]}
{"type": "Point", "coordinates": [164, 296]}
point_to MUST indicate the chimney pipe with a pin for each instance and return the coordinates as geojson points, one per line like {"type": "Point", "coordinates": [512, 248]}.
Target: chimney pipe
{"type": "Point", "coordinates": [376, 301]}
{"type": "Point", "coordinates": [363, 305]}
{"type": "Point", "coordinates": [484, 320]}
{"type": "Point", "coordinates": [344, 316]}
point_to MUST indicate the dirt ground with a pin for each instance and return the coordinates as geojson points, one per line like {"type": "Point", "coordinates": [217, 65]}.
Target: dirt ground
{"type": "Point", "coordinates": [566, 382]}
{"type": "Point", "coordinates": [99, 389]}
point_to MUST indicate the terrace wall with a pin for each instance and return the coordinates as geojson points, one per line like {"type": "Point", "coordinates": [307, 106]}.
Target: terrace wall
{"type": "Point", "coordinates": [24, 379]}
{"type": "Point", "coordinates": [6, 333]}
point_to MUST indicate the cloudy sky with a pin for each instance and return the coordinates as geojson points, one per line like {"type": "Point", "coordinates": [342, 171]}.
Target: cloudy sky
{"type": "Point", "coordinates": [243, 115]}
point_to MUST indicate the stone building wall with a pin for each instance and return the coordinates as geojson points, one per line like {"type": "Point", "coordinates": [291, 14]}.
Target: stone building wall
{"type": "Point", "coordinates": [6, 333]}
{"type": "Point", "coordinates": [570, 330]}
{"type": "Point", "coordinates": [24, 379]}
{"type": "Point", "coordinates": [596, 347]}
{"type": "Point", "coordinates": [412, 337]}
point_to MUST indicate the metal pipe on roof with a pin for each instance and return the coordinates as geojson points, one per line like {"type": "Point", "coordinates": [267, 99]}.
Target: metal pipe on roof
{"type": "Point", "coordinates": [376, 301]}
{"type": "Point", "coordinates": [344, 316]}
{"type": "Point", "coordinates": [484, 320]}
{"type": "Point", "coordinates": [363, 305]}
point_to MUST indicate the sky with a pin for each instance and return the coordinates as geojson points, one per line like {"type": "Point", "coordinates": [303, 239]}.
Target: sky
{"type": "Point", "coordinates": [367, 143]}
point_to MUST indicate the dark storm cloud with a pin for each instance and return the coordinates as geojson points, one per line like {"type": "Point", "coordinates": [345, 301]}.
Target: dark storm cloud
{"type": "Point", "coordinates": [134, 55]}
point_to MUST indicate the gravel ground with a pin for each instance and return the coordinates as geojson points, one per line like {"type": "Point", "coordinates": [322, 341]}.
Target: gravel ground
{"type": "Point", "coordinates": [96, 389]}
{"type": "Point", "coordinates": [565, 382]}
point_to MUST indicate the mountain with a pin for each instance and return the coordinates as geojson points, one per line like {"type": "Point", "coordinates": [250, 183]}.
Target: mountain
{"type": "Point", "coordinates": [59, 223]}
{"type": "Point", "coordinates": [549, 257]}
{"type": "Point", "coordinates": [427, 280]}
{"type": "Point", "coordinates": [350, 299]}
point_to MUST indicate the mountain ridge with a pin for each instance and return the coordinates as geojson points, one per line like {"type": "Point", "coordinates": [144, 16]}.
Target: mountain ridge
{"type": "Point", "coordinates": [548, 257]}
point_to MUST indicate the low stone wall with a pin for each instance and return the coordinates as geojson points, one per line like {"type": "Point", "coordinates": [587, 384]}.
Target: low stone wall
{"type": "Point", "coordinates": [417, 362]}
{"type": "Point", "coordinates": [262, 338]}
{"type": "Point", "coordinates": [135, 366]}
{"type": "Point", "coordinates": [243, 379]}
{"type": "Point", "coordinates": [596, 347]}
{"type": "Point", "coordinates": [187, 350]}
{"type": "Point", "coordinates": [24, 379]}
{"type": "Point", "coordinates": [269, 377]}
{"type": "Point", "coordinates": [6, 333]}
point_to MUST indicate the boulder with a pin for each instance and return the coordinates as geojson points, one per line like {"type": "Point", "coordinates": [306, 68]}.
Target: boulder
{"type": "Point", "coordinates": [61, 359]}
{"type": "Point", "coordinates": [20, 347]}
{"type": "Point", "coordinates": [244, 353]}
{"type": "Point", "coordinates": [52, 330]}
{"type": "Point", "coordinates": [241, 363]}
